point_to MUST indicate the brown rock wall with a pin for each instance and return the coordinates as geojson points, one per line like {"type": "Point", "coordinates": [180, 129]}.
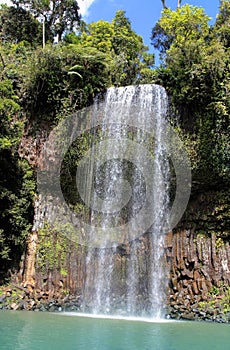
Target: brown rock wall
{"type": "Point", "coordinates": [197, 262]}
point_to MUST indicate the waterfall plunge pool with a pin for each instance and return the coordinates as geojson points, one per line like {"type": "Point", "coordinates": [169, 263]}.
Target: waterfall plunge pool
{"type": "Point", "coordinates": [46, 331]}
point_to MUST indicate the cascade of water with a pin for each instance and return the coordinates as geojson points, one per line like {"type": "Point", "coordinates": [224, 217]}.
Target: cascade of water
{"type": "Point", "coordinates": [124, 268]}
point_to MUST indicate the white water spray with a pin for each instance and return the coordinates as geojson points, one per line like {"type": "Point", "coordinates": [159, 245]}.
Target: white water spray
{"type": "Point", "coordinates": [133, 282]}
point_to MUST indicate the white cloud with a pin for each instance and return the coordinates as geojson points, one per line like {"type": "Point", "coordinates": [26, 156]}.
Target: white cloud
{"type": "Point", "coordinates": [84, 6]}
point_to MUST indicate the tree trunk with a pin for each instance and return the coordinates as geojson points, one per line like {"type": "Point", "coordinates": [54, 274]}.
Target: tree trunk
{"type": "Point", "coordinates": [163, 3]}
{"type": "Point", "coordinates": [29, 272]}
{"type": "Point", "coordinates": [178, 3]}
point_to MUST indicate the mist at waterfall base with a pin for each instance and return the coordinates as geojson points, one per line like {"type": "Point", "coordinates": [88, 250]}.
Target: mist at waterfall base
{"type": "Point", "coordinates": [123, 180]}
{"type": "Point", "coordinates": [45, 331]}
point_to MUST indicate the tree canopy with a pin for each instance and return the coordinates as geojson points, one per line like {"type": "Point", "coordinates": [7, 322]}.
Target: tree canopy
{"type": "Point", "coordinates": [124, 48]}
{"type": "Point", "coordinates": [60, 16]}
{"type": "Point", "coordinates": [195, 71]}
{"type": "Point", "coordinates": [17, 24]}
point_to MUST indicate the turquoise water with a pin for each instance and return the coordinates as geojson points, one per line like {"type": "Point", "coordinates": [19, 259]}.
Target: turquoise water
{"type": "Point", "coordinates": [46, 331]}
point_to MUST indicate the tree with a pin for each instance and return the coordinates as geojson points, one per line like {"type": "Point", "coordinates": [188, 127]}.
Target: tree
{"type": "Point", "coordinates": [61, 79]}
{"type": "Point", "coordinates": [99, 35]}
{"type": "Point", "coordinates": [10, 129]}
{"type": "Point", "coordinates": [165, 7]}
{"type": "Point", "coordinates": [125, 40]}
{"type": "Point", "coordinates": [195, 72]}
{"type": "Point", "coordinates": [43, 85]}
{"type": "Point", "coordinates": [60, 16]}
{"type": "Point", "coordinates": [128, 48]}
{"type": "Point", "coordinates": [125, 50]}
{"type": "Point", "coordinates": [222, 25]}
{"type": "Point", "coordinates": [175, 28]}
{"type": "Point", "coordinates": [163, 3]}
{"type": "Point", "coordinates": [17, 24]}
{"type": "Point", "coordinates": [16, 177]}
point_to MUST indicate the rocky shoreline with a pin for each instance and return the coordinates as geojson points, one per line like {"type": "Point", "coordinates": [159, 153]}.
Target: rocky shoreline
{"type": "Point", "coordinates": [20, 298]}
{"type": "Point", "coordinates": [196, 313]}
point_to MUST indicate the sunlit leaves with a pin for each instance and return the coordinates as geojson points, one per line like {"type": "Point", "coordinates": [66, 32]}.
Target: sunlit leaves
{"type": "Point", "coordinates": [222, 25]}
{"type": "Point", "coordinates": [196, 72]}
{"type": "Point", "coordinates": [176, 28]}
{"type": "Point", "coordinates": [125, 50]}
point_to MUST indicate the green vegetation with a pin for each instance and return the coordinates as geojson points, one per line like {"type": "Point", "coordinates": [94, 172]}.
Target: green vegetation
{"type": "Point", "coordinates": [11, 294]}
{"type": "Point", "coordinates": [17, 184]}
{"type": "Point", "coordinates": [59, 16]}
{"type": "Point", "coordinates": [40, 86]}
{"type": "Point", "coordinates": [53, 250]}
{"type": "Point", "coordinates": [218, 300]}
{"type": "Point", "coordinates": [126, 55]}
{"type": "Point", "coordinates": [195, 72]}
{"type": "Point", "coordinates": [19, 25]}
{"type": "Point", "coordinates": [53, 88]}
{"type": "Point", "coordinates": [219, 244]}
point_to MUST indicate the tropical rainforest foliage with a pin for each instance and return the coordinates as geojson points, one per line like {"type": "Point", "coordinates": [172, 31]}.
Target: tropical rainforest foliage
{"type": "Point", "coordinates": [40, 86]}
{"type": "Point", "coordinates": [196, 73]}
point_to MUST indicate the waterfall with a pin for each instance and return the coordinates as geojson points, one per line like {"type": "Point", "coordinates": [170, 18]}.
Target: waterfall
{"type": "Point", "coordinates": [104, 178]}
{"type": "Point", "coordinates": [124, 180]}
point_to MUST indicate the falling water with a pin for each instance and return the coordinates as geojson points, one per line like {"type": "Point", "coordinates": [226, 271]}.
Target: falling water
{"type": "Point", "coordinates": [117, 210]}
{"type": "Point", "coordinates": [124, 266]}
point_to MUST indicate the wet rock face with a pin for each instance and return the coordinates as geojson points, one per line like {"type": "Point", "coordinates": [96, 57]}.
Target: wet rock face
{"type": "Point", "coordinates": [197, 259]}
{"type": "Point", "coordinates": [197, 255]}
{"type": "Point", "coordinates": [197, 264]}
{"type": "Point", "coordinates": [32, 143]}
